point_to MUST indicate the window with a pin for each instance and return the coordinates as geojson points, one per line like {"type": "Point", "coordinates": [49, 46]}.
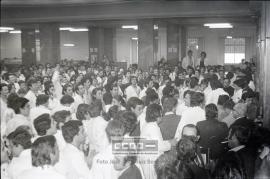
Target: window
{"type": "Point", "coordinates": [234, 50]}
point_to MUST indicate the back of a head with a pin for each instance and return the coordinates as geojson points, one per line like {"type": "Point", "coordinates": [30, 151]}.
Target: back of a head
{"type": "Point", "coordinates": [211, 112]}
{"type": "Point", "coordinates": [133, 102]}
{"type": "Point", "coordinates": [150, 98]}
{"type": "Point", "coordinates": [20, 137]}
{"type": "Point", "coordinates": [186, 150]}
{"type": "Point", "coordinates": [20, 103]}
{"type": "Point", "coordinates": [115, 129]}
{"type": "Point", "coordinates": [42, 99]}
{"type": "Point", "coordinates": [153, 112]}
{"type": "Point", "coordinates": [229, 104]}
{"type": "Point", "coordinates": [95, 108]}
{"type": "Point", "coordinates": [42, 123]}
{"type": "Point", "coordinates": [196, 99]}
{"type": "Point", "coordinates": [165, 166]}
{"type": "Point", "coordinates": [42, 150]}
{"type": "Point", "coordinates": [60, 117]}
{"type": "Point", "coordinates": [11, 100]}
{"type": "Point", "coordinates": [107, 98]}
{"type": "Point", "coordinates": [215, 84]}
{"type": "Point", "coordinates": [222, 99]}
{"type": "Point", "coordinates": [82, 110]}
{"type": "Point", "coordinates": [66, 99]}
{"type": "Point", "coordinates": [129, 120]}
{"type": "Point", "coordinates": [169, 104]}
{"type": "Point", "coordinates": [241, 133]}
{"type": "Point", "coordinates": [70, 129]}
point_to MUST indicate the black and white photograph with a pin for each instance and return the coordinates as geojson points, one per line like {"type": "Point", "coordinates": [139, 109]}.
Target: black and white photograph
{"type": "Point", "coordinates": [135, 89]}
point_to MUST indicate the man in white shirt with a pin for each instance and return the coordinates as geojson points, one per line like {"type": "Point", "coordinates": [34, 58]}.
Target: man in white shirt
{"type": "Point", "coordinates": [3, 102]}
{"type": "Point", "coordinates": [79, 96]}
{"type": "Point", "coordinates": [96, 128]}
{"type": "Point", "coordinates": [44, 125]}
{"type": "Point", "coordinates": [133, 90]}
{"type": "Point", "coordinates": [44, 154]}
{"type": "Point", "coordinates": [22, 110]}
{"type": "Point", "coordinates": [188, 60]}
{"type": "Point", "coordinates": [193, 114]}
{"type": "Point", "coordinates": [56, 82]}
{"type": "Point", "coordinates": [12, 79]}
{"type": "Point", "coordinates": [33, 92]}
{"type": "Point", "coordinates": [217, 90]}
{"type": "Point", "coordinates": [72, 158]}
{"type": "Point", "coordinates": [20, 144]}
{"type": "Point", "coordinates": [102, 167]}
{"type": "Point", "coordinates": [65, 104]}
{"type": "Point", "coordinates": [42, 104]}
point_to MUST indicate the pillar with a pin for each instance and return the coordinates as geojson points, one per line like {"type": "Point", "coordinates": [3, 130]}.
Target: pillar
{"type": "Point", "coordinates": [49, 43]}
{"type": "Point", "coordinates": [145, 44]}
{"type": "Point", "coordinates": [109, 39]}
{"type": "Point", "coordinates": [182, 42]}
{"type": "Point", "coordinates": [28, 38]}
{"type": "Point", "coordinates": [266, 57]}
{"type": "Point", "coordinates": [172, 43]}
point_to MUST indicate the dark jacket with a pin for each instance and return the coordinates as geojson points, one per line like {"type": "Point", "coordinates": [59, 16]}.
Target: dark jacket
{"type": "Point", "coordinates": [131, 173]}
{"type": "Point", "coordinates": [212, 133]}
{"type": "Point", "coordinates": [168, 125]}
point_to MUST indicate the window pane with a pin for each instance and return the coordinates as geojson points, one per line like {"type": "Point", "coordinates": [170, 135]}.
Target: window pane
{"type": "Point", "coordinates": [234, 50]}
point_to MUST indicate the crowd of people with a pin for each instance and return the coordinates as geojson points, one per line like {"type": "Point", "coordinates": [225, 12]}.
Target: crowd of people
{"type": "Point", "coordinates": [87, 120]}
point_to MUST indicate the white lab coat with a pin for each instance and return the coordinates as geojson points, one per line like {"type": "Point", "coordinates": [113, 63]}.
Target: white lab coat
{"type": "Point", "coordinates": [17, 121]}
{"type": "Point", "coordinates": [151, 131]}
{"type": "Point", "coordinates": [19, 164]}
{"type": "Point", "coordinates": [73, 163]}
{"type": "Point", "coordinates": [192, 115]}
{"type": "Point", "coordinates": [213, 96]}
{"type": "Point", "coordinates": [95, 130]}
{"type": "Point", "coordinates": [132, 92]}
{"type": "Point", "coordinates": [45, 172]}
{"type": "Point", "coordinates": [57, 85]}
{"type": "Point", "coordinates": [30, 95]}
{"type": "Point", "coordinates": [102, 167]}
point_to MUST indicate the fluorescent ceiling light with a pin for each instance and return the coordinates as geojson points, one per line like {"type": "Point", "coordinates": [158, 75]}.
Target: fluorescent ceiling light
{"type": "Point", "coordinates": [2, 31]}
{"type": "Point", "coordinates": [218, 25]}
{"type": "Point", "coordinates": [15, 32]}
{"type": "Point", "coordinates": [229, 37]}
{"type": "Point", "coordinates": [79, 30]}
{"type": "Point", "coordinates": [134, 38]}
{"type": "Point", "coordinates": [6, 28]}
{"type": "Point", "coordinates": [36, 31]}
{"type": "Point", "coordinates": [135, 27]}
{"type": "Point", "coordinates": [155, 27]}
{"type": "Point", "coordinates": [65, 28]}
{"type": "Point", "coordinates": [69, 45]}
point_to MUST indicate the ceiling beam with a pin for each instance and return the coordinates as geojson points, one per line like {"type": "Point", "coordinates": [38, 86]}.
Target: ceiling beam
{"type": "Point", "coordinates": [131, 10]}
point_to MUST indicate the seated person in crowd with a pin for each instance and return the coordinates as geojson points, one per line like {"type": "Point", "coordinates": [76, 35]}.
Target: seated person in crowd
{"type": "Point", "coordinates": [44, 154]}
{"type": "Point", "coordinates": [44, 125]}
{"type": "Point", "coordinates": [170, 121]}
{"type": "Point", "coordinates": [212, 132]}
{"type": "Point", "coordinates": [20, 146]}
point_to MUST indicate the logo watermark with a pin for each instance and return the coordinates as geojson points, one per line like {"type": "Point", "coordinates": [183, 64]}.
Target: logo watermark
{"type": "Point", "coordinates": [134, 146]}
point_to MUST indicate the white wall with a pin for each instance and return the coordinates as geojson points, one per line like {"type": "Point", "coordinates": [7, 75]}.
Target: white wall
{"type": "Point", "coordinates": [79, 51]}
{"type": "Point", "coordinates": [213, 40]}
{"type": "Point", "coordinates": [123, 45]}
{"type": "Point", "coordinates": [10, 45]}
